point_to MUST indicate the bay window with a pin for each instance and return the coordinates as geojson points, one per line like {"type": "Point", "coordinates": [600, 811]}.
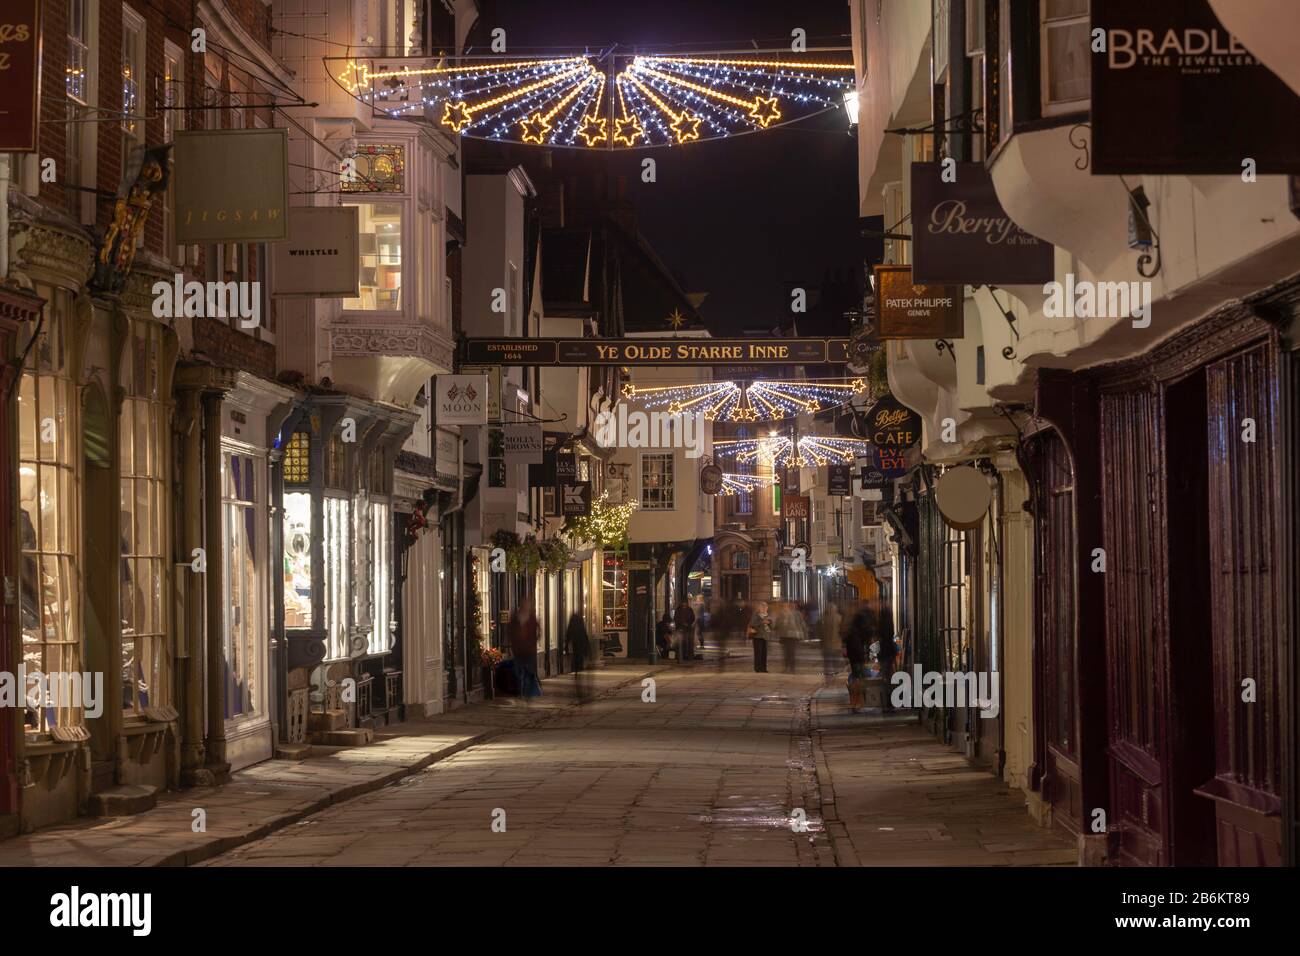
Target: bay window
{"type": "Point", "coordinates": [143, 437]}
{"type": "Point", "coordinates": [50, 592]}
{"type": "Point", "coordinates": [380, 237]}
{"type": "Point", "coordinates": [657, 482]}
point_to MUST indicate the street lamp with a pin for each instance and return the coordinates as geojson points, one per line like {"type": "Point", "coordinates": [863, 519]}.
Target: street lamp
{"type": "Point", "coordinates": [851, 108]}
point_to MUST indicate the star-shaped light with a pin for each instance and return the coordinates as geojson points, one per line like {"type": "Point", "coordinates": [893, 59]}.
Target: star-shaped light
{"type": "Point", "coordinates": [627, 129]}
{"type": "Point", "coordinates": [686, 127]}
{"type": "Point", "coordinates": [765, 111]}
{"type": "Point", "coordinates": [592, 129]}
{"type": "Point", "coordinates": [677, 320]}
{"type": "Point", "coordinates": [457, 116]}
{"type": "Point", "coordinates": [535, 128]}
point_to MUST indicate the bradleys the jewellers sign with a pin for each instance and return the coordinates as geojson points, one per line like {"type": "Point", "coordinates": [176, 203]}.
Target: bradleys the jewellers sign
{"type": "Point", "coordinates": [1174, 92]}
{"type": "Point", "coordinates": [632, 352]}
{"type": "Point", "coordinates": [961, 235]}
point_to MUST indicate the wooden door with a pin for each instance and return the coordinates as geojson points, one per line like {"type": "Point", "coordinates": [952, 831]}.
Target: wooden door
{"type": "Point", "coordinates": [1248, 618]}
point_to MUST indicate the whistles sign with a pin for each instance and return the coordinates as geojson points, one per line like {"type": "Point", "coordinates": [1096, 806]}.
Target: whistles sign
{"type": "Point", "coordinates": [20, 75]}
{"type": "Point", "coordinates": [1174, 92]}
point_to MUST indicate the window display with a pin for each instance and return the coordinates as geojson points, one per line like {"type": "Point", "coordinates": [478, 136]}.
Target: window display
{"type": "Point", "coordinates": [338, 575]}
{"type": "Point", "coordinates": [49, 518]}
{"type": "Point", "coordinates": [615, 588]}
{"type": "Point", "coordinates": [243, 592]}
{"type": "Point", "coordinates": [146, 668]}
{"type": "Point", "coordinates": [381, 519]}
{"type": "Point", "coordinates": [297, 559]}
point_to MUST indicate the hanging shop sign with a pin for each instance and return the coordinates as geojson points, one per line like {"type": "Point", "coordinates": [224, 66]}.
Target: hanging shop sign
{"type": "Point", "coordinates": [566, 467]}
{"type": "Point", "coordinates": [794, 507]}
{"type": "Point", "coordinates": [493, 373]}
{"type": "Point", "coordinates": [20, 76]}
{"type": "Point", "coordinates": [523, 444]}
{"type": "Point", "coordinates": [575, 499]}
{"type": "Point", "coordinates": [321, 258]}
{"type": "Point", "coordinates": [961, 235]}
{"type": "Point", "coordinates": [963, 495]}
{"type": "Point", "coordinates": [710, 479]}
{"type": "Point", "coordinates": [651, 352]}
{"type": "Point", "coordinates": [838, 480]}
{"type": "Point", "coordinates": [543, 475]}
{"type": "Point", "coordinates": [890, 423]}
{"type": "Point", "coordinates": [871, 477]}
{"type": "Point", "coordinates": [460, 399]}
{"type": "Point", "coordinates": [1175, 93]}
{"type": "Point", "coordinates": [908, 311]}
{"type": "Point", "coordinates": [231, 185]}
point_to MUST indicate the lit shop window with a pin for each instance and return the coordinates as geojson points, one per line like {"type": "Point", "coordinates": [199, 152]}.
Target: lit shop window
{"type": "Point", "coordinates": [338, 575]}
{"type": "Point", "coordinates": [381, 519]}
{"type": "Point", "coordinates": [50, 592]}
{"type": "Point", "coordinates": [297, 559]}
{"type": "Point", "coordinates": [615, 589]}
{"type": "Point", "coordinates": [380, 239]}
{"type": "Point", "coordinates": [243, 607]}
{"type": "Point", "coordinates": [146, 666]}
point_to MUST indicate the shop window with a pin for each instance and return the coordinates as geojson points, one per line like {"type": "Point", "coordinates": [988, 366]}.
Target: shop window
{"type": "Point", "coordinates": [1065, 56]}
{"type": "Point", "coordinates": [380, 239]}
{"type": "Point", "coordinates": [50, 592]}
{"type": "Point", "coordinates": [146, 666]}
{"type": "Point", "coordinates": [657, 482]}
{"type": "Point", "coordinates": [614, 590]}
{"type": "Point", "coordinates": [381, 519]}
{"type": "Point", "coordinates": [244, 563]}
{"type": "Point", "coordinates": [297, 558]}
{"type": "Point", "coordinates": [338, 575]}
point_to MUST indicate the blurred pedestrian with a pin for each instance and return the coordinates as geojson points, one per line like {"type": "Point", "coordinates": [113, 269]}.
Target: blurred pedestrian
{"type": "Point", "coordinates": [579, 644]}
{"type": "Point", "coordinates": [664, 635]}
{"type": "Point", "coordinates": [684, 620]}
{"type": "Point", "coordinates": [789, 629]}
{"type": "Point", "coordinates": [522, 632]}
{"type": "Point", "coordinates": [828, 629]}
{"type": "Point", "coordinates": [856, 641]}
{"type": "Point", "coordinates": [760, 632]}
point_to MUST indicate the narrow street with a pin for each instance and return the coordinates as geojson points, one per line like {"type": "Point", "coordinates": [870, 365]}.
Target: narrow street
{"type": "Point", "coordinates": [712, 772]}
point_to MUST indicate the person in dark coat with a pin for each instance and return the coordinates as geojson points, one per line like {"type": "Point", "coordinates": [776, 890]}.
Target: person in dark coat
{"type": "Point", "coordinates": [664, 635]}
{"type": "Point", "coordinates": [684, 620]}
{"type": "Point", "coordinates": [856, 641]}
{"type": "Point", "coordinates": [578, 644]}
{"type": "Point", "coordinates": [523, 632]}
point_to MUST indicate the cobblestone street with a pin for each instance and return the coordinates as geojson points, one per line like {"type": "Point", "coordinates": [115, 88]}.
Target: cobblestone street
{"type": "Point", "coordinates": [712, 772]}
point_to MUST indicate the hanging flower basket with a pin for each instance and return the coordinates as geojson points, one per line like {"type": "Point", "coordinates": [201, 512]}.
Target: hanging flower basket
{"type": "Point", "coordinates": [490, 658]}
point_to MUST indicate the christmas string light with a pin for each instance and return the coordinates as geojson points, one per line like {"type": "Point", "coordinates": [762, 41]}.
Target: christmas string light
{"type": "Point", "coordinates": [761, 400]}
{"type": "Point", "coordinates": [616, 102]}
{"type": "Point", "coordinates": [734, 483]}
{"type": "Point", "coordinates": [812, 450]}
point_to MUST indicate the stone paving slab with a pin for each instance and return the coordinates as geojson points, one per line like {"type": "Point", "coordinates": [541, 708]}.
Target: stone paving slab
{"type": "Point", "coordinates": [277, 794]}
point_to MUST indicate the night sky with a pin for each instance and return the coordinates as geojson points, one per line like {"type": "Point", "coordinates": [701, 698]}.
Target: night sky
{"type": "Point", "coordinates": [745, 219]}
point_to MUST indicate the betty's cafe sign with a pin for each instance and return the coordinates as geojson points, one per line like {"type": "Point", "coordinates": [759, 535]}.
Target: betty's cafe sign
{"type": "Point", "coordinates": [892, 428]}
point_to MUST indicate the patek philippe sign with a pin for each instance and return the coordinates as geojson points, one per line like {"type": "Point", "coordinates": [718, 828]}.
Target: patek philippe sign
{"type": "Point", "coordinates": [231, 185]}
{"type": "Point", "coordinates": [523, 444]}
{"type": "Point", "coordinates": [908, 311]}
{"type": "Point", "coordinates": [20, 75]}
{"type": "Point", "coordinates": [1174, 92]}
{"type": "Point", "coordinates": [321, 258]}
{"type": "Point", "coordinates": [460, 399]}
{"type": "Point", "coordinates": [961, 235]}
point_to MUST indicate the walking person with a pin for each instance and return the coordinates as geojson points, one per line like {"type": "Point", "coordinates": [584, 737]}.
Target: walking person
{"type": "Point", "coordinates": [789, 629]}
{"type": "Point", "coordinates": [684, 621]}
{"type": "Point", "coordinates": [578, 643]}
{"type": "Point", "coordinates": [856, 642]}
{"type": "Point", "coordinates": [760, 632]}
{"type": "Point", "coordinates": [828, 628]}
{"type": "Point", "coordinates": [522, 632]}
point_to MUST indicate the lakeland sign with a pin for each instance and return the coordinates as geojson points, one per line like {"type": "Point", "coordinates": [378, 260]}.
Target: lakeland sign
{"type": "Point", "coordinates": [633, 352]}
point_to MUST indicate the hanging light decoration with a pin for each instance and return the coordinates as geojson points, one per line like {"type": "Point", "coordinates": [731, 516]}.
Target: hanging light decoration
{"type": "Point", "coordinates": [617, 102]}
{"type": "Point", "coordinates": [734, 483]}
{"type": "Point", "coordinates": [812, 450]}
{"type": "Point", "coordinates": [760, 401]}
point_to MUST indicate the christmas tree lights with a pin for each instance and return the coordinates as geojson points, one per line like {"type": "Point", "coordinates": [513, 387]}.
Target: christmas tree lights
{"type": "Point", "coordinates": [613, 102]}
